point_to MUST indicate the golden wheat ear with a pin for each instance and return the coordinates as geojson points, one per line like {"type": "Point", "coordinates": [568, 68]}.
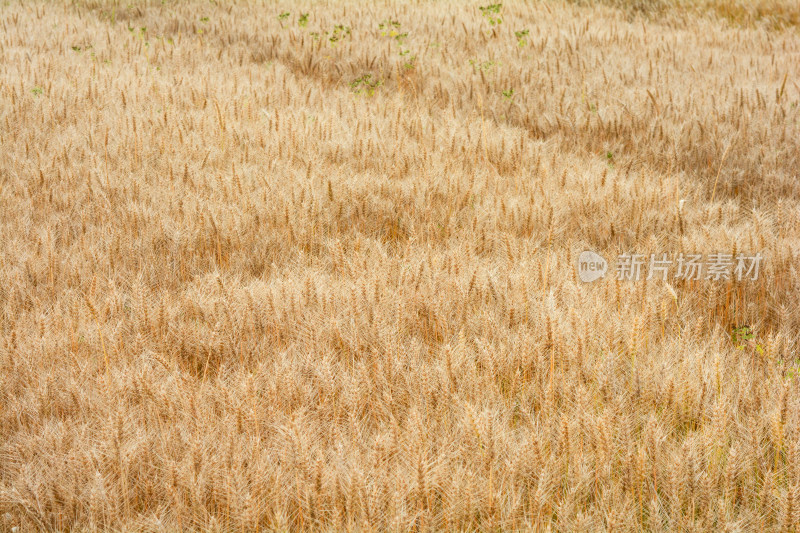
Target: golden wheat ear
{"type": "Point", "coordinates": [303, 266]}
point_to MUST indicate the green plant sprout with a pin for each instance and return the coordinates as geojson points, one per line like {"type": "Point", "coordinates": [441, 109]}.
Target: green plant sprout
{"type": "Point", "coordinates": [391, 28]}
{"type": "Point", "coordinates": [743, 336]}
{"type": "Point", "coordinates": [365, 85]}
{"type": "Point", "coordinates": [521, 37]}
{"type": "Point", "coordinates": [401, 37]}
{"type": "Point", "coordinates": [492, 13]}
{"type": "Point", "coordinates": [303, 20]}
{"type": "Point", "coordinates": [508, 94]}
{"type": "Point", "coordinates": [37, 91]}
{"type": "Point", "coordinates": [792, 372]}
{"type": "Point", "coordinates": [339, 32]}
{"type": "Point", "coordinates": [388, 28]}
{"type": "Point", "coordinates": [283, 16]}
{"type": "Point", "coordinates": [483, 65]}
{"type": "Point", "coordinates": [740, 335]}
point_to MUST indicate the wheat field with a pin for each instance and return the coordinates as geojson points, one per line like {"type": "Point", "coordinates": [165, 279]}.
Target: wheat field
{"type": "Point", "coordinates": [311, 266]}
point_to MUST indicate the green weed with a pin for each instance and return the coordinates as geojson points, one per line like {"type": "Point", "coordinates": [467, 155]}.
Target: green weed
{"type": "Point", "coordinates": [492, 13]}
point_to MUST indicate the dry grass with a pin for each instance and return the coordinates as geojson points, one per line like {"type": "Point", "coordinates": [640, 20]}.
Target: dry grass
{"type": "Point", "coordinates": [236, 295]}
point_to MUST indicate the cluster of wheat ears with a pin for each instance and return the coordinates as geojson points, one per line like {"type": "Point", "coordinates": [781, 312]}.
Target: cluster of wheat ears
{"type": "Point", "coordinates": [312, 267]}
